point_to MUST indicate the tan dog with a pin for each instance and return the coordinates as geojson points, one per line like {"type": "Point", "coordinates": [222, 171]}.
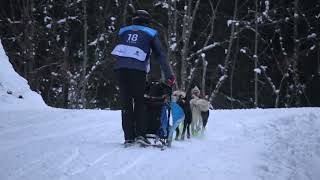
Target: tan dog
{"type": "Point", "coordinates": [200, 110]}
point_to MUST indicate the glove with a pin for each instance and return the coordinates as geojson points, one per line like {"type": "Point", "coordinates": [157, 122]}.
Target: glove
{"type": "Point", "coordinates": [171, 80]}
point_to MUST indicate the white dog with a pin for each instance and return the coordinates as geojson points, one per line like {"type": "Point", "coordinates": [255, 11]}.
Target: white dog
{"type": "Point", "coordinates": [200, 109]}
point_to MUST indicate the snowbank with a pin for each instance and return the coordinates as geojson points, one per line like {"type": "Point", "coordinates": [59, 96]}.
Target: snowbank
{"type": "Point", "coordinates": [15, 92]}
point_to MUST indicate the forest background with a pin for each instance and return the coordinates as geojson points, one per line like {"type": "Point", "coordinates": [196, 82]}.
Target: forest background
{"type": "Point", "coordinates": [241, 54]}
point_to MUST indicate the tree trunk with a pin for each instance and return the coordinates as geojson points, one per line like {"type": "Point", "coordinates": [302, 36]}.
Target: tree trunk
{"type": "Point", "coordinates": [232, 71]}
{"type": "Point", "coordinates": [188, 19]}
{"type": "Point", "coordinates": [65, 64]}
{"type": "Point", "coordinates": [125, 12]}
{"type": "Point", "coordinates": [255, 57]}
{"type": "Point", "coordinates": [227, 58]}
{"type": "Point", "coordinates": [204, 72]}
{"type": "Point", "coordinates": [28, 42]}
{"type": "Point", "coordinates": [172, 34]}
{"type": "Point", "coordinates": [85, 56]}
{"type": "Point", "coordinates": [297, 86]}
{"type": "Point", "coordinates": [205, 46]}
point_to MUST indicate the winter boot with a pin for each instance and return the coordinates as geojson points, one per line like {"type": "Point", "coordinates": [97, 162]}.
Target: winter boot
{"type": "Point", "coordinates": [143, 141]}
{"type": "Point", "coordinates": [128, 143]}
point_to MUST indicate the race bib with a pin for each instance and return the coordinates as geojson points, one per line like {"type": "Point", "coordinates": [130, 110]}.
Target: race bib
{"type": "Point", "coordinates": [129, 51]}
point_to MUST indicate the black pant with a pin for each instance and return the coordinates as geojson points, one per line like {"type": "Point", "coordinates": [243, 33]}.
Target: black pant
{"type": "Point", "coordinates": [132, 87]}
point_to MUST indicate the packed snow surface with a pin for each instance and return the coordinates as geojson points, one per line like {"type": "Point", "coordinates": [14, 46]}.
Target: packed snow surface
{"type": "Point", "coordinates": [51, 144]}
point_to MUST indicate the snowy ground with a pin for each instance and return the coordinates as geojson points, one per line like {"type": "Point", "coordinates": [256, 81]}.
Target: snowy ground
{"type": "Point", "coordinates": [42, 143]}
{"type": "Point", "coordinates": [86, 144]}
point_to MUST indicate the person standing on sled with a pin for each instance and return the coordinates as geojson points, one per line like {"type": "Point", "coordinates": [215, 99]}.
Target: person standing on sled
{"type": "Point", "coordinates": [132, 52]}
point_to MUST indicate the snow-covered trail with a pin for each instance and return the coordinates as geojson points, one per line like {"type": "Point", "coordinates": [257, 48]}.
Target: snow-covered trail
{"type": "Point", "coordinates": [57, 144]}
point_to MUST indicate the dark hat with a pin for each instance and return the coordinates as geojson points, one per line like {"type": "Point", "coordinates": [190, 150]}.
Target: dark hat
{"type": "Point", "coordinates": [141, 17]}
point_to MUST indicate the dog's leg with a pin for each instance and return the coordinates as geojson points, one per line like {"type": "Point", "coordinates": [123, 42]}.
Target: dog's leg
{"type": "Point", "coordinates": [193, 118]}
{"type": "Point", "coordinates": [205, 117]}
{"type": "Point", "coordinates": [198, 121]}
{"type": "Point", "coordinates": [193, 127]}
{"type": "Point", "coordinates": [194, 122]}
{"type": "Point", "coordinates": [188, 130]}
{"type": "Point", "coordinates": [177, 133]}
{"type": "Point", "coordinates": [184, 130]}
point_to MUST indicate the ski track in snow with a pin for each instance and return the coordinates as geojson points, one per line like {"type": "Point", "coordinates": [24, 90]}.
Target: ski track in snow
{"type": "Point", "coordinates": [94, 162]}
{"type": "Point", "coordinates": [74, 155]}
{"type": "Point", "coordinates": [39, 131]}
{"type": "Point", "coordinates": [86, 145]}
{"type": "Point", "coordinates": [33, 165]}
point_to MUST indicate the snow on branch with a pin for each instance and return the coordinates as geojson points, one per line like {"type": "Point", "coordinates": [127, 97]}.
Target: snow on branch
{"type": "Point", "coordinates": [313, 35]}
{"type": "Point", "coordinates": [13, 22]}
{"type": "Point", "coordinates": [93, 43]}
{"type": "Point", "coordinates": [204, 49]}
{"type": "Point", "coordinates": [164, 5]}
{"type": "Point", "coordinates": [229, 22]}
{"type": "Point", "coordinates": [257, 70]}
{"type": "Point", "coordinates": [61, 21]}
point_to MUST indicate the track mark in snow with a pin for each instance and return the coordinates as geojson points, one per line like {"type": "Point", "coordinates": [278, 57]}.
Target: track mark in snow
{"type": "Point", "coordinates": [54, 135]}
{"type": "Point", "coordinates": [13, 129]}
{"type": "Point", "coordinates": [133, 164]}
{"type": "Point", "coordinates": [93, 163]}
{"type": "Point", "coordinates": [23, 170]}
{"type": "Point", "coordinates": [28, 167]}
{"type": "Point", "coordinates": [129, 166]}
{"type": "Point", "coordinates": [75, 153]}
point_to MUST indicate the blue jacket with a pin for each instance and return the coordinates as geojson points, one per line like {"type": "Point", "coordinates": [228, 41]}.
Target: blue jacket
{"type": "Point", "coordinates": [134, 47]}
